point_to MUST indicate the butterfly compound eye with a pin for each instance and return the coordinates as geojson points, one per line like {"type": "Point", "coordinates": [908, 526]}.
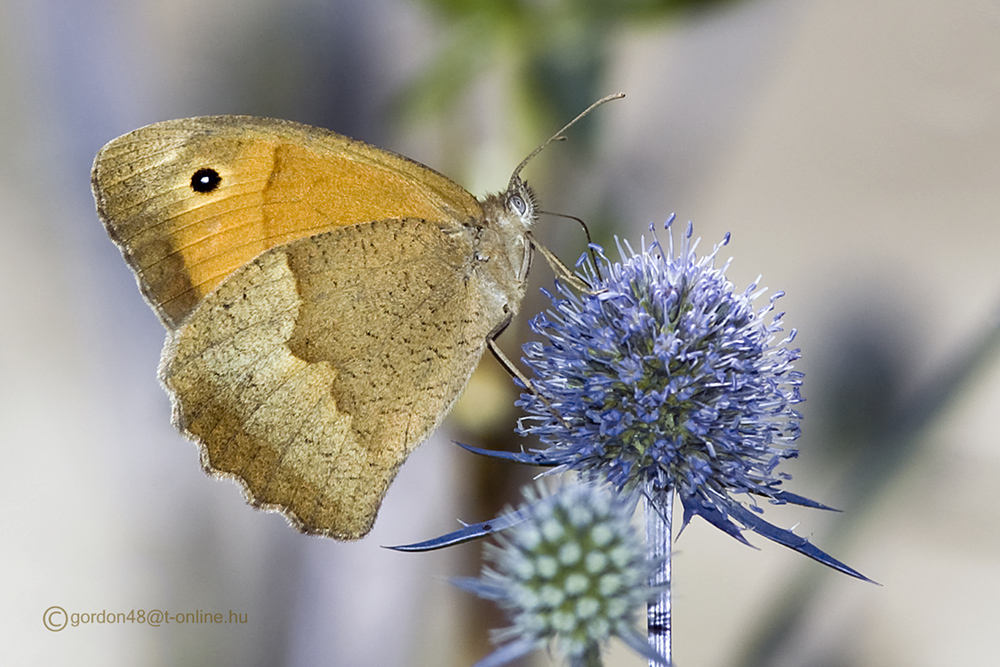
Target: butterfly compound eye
{"type": "Point", "coordinates": [516, 202]}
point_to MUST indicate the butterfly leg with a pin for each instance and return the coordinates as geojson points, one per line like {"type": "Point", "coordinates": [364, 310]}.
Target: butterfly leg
{"type": "Point", "coordinates": [562, 271]}
{"type": "Point", "coordinates": [498, 354]}
{"type": "Point", "coordinates": [513, 370]}
{"type": "Point", "coordinates": [508, 365]}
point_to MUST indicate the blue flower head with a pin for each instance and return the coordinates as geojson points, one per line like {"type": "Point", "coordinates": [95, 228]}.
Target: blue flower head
{"type": "Point", "coordinates": [571, 573]}
{"type": "Point", "coordinates": [666, 378]}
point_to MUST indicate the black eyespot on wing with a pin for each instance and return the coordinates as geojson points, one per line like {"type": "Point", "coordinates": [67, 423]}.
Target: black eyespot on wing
{"type": "Point", "coordinates": [205, 180]}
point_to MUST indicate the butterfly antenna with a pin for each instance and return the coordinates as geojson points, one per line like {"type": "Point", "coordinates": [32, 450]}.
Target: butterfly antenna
{"type": "Point", "coordinates": [558, 136]}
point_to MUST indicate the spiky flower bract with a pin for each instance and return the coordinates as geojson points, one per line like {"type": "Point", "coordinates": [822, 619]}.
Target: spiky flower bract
{"type": "Point", "coordinates": [573, 573]}
{"type": "Point", "coordinates": [666, 378]}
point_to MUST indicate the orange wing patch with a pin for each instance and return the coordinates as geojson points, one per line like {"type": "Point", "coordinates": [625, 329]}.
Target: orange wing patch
{"type": "Point", "coordinates": [277, 182]}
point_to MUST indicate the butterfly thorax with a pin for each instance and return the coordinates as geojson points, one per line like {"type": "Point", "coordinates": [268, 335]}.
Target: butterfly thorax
{"type": "Point", "coordinates": [503, 248]}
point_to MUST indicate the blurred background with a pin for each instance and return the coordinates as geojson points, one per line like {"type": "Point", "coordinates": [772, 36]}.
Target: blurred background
{"type": "Point", "coordinates": [851, 147]}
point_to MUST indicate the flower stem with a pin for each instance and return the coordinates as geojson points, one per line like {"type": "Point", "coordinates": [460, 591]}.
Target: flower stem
{"type": "Point", "coordinates": [590, 658]}
{"type": "Point", "coordinates": [658, 510]}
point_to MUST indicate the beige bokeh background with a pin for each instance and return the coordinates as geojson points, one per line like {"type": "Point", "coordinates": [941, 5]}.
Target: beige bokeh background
{"type": "Point", "coordinates": [853, 150]}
